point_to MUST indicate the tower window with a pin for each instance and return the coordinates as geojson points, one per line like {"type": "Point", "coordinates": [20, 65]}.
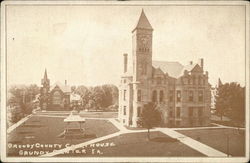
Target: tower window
{"type": "Point", "coordinates": [144, 68]}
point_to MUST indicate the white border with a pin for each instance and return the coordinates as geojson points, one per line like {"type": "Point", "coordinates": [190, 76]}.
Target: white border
{"type": "Point", "coordinates": [120, 159]}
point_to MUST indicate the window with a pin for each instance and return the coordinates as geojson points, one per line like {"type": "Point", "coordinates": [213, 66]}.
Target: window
{"type": "Point", "coordinates": [200, 96]}
{"type": "Point", "coordinates": [199, 80]}
{"type": "Point", "coordinates": [138, 111]}
{"type": "Point", "coordinates": [171, 113]}
{"type": "Point", "coordinates": [191, 96]}
{"type": "Point", "coordinates": [139, 95]}
{"type": "Point", "coordinates": [144, 68]}
{"type": "Point", "coordinates": [57, 99]}
{"type": "Point", "coordinates": [194, 82]}
{"type": "Point", "coordinates": [200, 111]}
{"type": "Point", "coordinates": [154, 96]}
{"type": "Point", "coordinates": [158, 80]}
{"type": "Point", "coordinates": [124, 110]}
{"type": "Point", "coordinates": [177, 123]}
{"type": "Point", "coordinates": [188, 80]}
{"type": "Point", "coordinates": [190, 111]}
{"type": "Point", "coordinates": [161, 95]}
{"type": "Point", "coordinates": [203, 81]}
{"type": "Point", "coordinates": [178, 112]}
{"type": "Point", "coordinates": [124, 95]}
{"type": "Point", "coordinates": [171, 95]}
{"type": "Point", "coordinates": [178, 96]}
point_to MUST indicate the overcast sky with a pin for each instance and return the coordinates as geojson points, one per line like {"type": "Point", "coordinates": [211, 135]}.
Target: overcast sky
{"type": "Point", "coordinates": [84, 44]}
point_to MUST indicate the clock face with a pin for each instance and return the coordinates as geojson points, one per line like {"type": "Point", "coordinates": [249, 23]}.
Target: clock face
{"type": "Point", "coordinates": [144, 40]}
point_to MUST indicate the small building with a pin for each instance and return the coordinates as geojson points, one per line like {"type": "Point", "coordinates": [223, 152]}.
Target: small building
{"type": "Point", "coordinates": [55, 97]}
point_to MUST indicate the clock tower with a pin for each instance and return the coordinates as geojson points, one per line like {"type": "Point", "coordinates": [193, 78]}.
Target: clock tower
{"type": "Point", "coordinates": [142, 49]}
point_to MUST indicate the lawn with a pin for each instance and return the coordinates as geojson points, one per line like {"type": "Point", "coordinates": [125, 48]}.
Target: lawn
{"type": "Point", "coordinates": [45, 130]}
{"type": "Point", "coordinates": [137, 145]}
{"type": "Point", "coordinates": [217, 138]}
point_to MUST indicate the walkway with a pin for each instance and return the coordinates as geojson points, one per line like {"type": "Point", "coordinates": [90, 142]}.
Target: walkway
{"type": "Point", "coordinates": [11, 128]}
{"type": "Point", "coordinates": [196, 145]}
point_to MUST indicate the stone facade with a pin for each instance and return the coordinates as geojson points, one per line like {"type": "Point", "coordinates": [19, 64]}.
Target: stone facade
{"type": "Point", "coordinates": [55, 97]}
{"type": "Point", "coordinates": [182, 93]}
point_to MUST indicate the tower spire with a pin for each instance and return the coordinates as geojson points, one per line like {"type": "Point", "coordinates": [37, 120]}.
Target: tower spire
{"type": "Point", "coordinates": [45, 74]}
{"type": "Point", "coordinates": [219, 82]}
{"type": "Point", "coordinates": [143, 22]}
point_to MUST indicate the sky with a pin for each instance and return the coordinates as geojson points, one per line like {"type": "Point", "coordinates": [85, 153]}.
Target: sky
{"type": "Point", "coordinates": [85, 44]}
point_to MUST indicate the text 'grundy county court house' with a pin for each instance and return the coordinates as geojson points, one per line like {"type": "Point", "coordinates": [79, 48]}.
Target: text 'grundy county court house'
{"type": "Point", "coordinates": [182, 93]}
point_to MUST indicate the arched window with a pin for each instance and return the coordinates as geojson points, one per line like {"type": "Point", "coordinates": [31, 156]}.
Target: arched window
{"type": "Point", "coordinates": [154, 96]}
{"type": "Point", "coordinates": [161, 95]}
{"type": "Point", "coordinates": [56, 98]}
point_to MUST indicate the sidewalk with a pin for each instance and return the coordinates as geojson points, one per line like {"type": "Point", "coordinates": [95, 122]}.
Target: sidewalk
{"type": "Point", "coordinates": [11, 128]}
{"type": "Point", "coordinates": [196, 145]}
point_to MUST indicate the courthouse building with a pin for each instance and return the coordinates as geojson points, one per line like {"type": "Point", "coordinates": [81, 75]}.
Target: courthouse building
{"type": "Point", "coordinates": [182, 93]}
{"type": "Point", "coordinates": [55, 97]}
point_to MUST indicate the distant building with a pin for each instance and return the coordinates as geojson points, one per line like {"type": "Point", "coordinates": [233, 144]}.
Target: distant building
{"type": "Point", "coordinates": [55, 97]}
{"type": "Point", "coordinates": [182, 93]}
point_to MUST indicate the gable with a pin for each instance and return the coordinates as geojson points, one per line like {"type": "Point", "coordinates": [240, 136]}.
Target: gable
{"type": "Point", "coordinates": [196, 68]}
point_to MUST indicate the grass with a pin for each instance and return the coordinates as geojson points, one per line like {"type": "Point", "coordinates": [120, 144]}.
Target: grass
{"type": "Point", "coordinates": [46, 130]}
{"type": "Point", "coordinates": [138, 145]}
{"type": "Point", "coordinates": [217, 138]}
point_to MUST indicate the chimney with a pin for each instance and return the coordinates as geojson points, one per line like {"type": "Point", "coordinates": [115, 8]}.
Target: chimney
{"type": "Point", "coordinates": [125, 62]}
{"type": "Point", "coordinates": [65, 82]}
{"type": "Point", "coordinates": [190, 62]}
{"type": "Point", "coordinates": [201, 62]}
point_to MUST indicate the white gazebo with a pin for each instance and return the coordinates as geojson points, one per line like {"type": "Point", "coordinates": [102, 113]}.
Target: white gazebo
{"type": "Point", "coordinates": [73, 125]}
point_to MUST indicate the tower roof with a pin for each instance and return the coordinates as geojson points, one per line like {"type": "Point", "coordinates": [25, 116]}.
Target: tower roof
{"type": "Point", "coordinates": [143, 22]}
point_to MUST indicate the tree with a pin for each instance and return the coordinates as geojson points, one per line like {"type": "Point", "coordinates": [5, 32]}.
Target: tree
{"type": "Point", "coordinates": [230, 101]}
{"type": "Point", "coordinates": [150, 117]}
{"type": "Point", "coordinates": [20, 100]}
{"type": "Point", "coordinates": [98, 96]}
